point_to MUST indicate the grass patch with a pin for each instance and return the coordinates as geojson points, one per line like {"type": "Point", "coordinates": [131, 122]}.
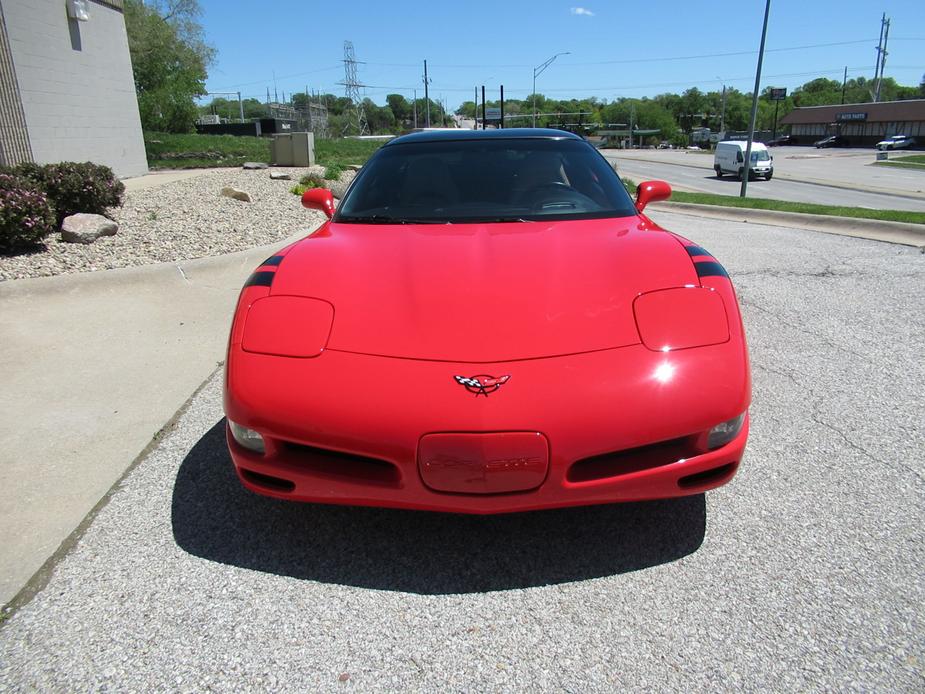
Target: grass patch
{"type": "Point", "coordinates": [785, 206]}
{"type": "Point", "coordinates": [333, 172]}
{"type": "Point", "coordinates": [910, 161]}
{"type": "Point", "coordinates": [342, 153]}
{"type": "Point", "coordinates": [194, 151]}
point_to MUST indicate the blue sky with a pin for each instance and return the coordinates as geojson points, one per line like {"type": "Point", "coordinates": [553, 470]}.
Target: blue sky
{"type": "Point", "coordinates": [617, 49]}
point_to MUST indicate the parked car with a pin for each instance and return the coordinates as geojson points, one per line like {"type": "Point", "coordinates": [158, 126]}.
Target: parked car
{"type": "Point", "coordinates": [487, 323]}
{"type": "Point", "coordinates": [896, 142]}
{"type": "Point", "coordinates": [729, 158]}
{"type": "Point", "coordinates": [779, 141]}
{"type": "Point", "coordinates": [832, 141]}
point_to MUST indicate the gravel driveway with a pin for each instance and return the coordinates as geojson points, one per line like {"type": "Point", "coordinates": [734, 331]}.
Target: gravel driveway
{"type": "Point", "coordinates": [178, 221]}
{"type": "Point", "coordinates": [805, 573]}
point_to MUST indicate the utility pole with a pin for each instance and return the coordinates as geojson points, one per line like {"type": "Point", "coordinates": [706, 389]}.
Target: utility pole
{"type": "Point", "coordinates": [502, 107]}
{"type": "Point", "coordinates": [844, 83]}
{"type": "Point", "coordinates": [881, 54]}
{"type": "Point", "coordinates": [751, 125]}
{"type": "Point", "coordinates": [483, 107]}
{"type": "Point", "coordinates": [426, 97]}
{"type": "Point", "coordinates": [632, 119]}
{"type": "Point", "coordinates": [722, 118]}
{"type": "Point", "coordinates": [882, 57]}
{"type": "Point", "coordinates": [476, 102]}
{"type": "Point", "coordinates": [414, 103]}
{"type": "Point", "coordinates": [240, 107]}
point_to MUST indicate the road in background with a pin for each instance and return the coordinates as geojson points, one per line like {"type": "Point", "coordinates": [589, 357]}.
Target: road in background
{"type": "Point", "coordinates": [804, 573]}
{"type": "Point", "coordinates": [826, 177]}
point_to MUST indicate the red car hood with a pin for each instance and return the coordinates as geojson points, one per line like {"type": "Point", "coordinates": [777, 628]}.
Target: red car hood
{"type": "Point", "coordinates": [483, 292]}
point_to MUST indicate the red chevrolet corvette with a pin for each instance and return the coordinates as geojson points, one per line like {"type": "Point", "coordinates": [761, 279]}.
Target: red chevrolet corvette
{"type": "Point", "coordinates": [487, 323]}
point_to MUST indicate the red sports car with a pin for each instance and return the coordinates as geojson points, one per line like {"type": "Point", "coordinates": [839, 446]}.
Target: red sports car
{"type": "Point", "coordinates": [487, 323]}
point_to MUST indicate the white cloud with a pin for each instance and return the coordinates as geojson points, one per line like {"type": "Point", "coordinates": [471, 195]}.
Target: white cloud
{"type": "Point", "coordinates": [582, 11]}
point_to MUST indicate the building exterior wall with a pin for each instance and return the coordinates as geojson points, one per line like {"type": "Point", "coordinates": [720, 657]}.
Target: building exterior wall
{"type": "Point", "coordinates": [76, 85]}
{"type": "Point", "coordinates": [14, 138]}
{"type": "Point", "coordinates": [862, 124]}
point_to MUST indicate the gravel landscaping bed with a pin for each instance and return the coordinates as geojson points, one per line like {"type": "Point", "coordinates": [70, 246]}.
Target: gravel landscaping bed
{"type": "Point", "coordinates": [179, 221]}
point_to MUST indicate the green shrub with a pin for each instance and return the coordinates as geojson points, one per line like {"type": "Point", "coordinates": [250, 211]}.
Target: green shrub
{"type": "Point", "coordinates": [313, 180]}
{"type": "Point", "coordinates": [25, 215]}
{"type": "Point", "coordinates": [332, 172]}
{"type": "Point", "coordinates": [81, 187]}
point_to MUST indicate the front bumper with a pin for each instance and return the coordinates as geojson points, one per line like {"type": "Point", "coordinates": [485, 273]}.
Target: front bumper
{"type": "Point", "coordinates": [622, 425]}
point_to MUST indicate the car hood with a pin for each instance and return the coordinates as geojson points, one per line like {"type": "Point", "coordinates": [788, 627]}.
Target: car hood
{"type": "Point", "coordinates": [483, 292]}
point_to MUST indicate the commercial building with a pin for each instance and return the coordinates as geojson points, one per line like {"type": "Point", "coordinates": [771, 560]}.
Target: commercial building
{"type": "Point", "coordinates": [862, 124]}
{"type": "Point", "coordinates": [66, 87]}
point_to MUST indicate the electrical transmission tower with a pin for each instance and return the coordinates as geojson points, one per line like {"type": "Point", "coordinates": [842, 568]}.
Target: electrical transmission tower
{"type": "Point", "coordinates": [352, 90]}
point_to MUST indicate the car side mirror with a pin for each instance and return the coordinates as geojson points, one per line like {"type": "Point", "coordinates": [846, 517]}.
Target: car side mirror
{"type": "Point", "coordinates": [651, 191]}
{"type": "Point", "coordinates": [319, 199]}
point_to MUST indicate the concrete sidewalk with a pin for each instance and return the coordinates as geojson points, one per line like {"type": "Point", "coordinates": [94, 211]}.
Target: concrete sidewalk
{"type": "Point", "coordinates": [94, 365]}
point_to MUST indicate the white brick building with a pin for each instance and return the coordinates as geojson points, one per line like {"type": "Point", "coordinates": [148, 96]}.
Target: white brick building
{"type": "Point", "coordinates": [66, 86]}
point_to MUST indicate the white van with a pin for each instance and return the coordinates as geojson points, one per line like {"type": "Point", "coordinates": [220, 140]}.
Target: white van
{"type": "Point", "coordinates": [730, 156]}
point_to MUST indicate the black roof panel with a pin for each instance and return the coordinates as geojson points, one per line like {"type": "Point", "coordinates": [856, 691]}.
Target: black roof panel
{"type": "Point", "coordinates": [452, 134]}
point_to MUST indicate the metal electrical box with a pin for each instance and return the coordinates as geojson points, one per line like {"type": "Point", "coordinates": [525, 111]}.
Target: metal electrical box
{"type": "Point", "coordinates": [293, 149]}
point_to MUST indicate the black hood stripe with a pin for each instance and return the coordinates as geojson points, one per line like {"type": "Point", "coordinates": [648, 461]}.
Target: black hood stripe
{"type": "Point", "coordinates": [706, 268]}
{"type": "Point", "coordinates": [260, 279]}
{"type": "Point", "coordinates": [272, 260]}
{"type": "Point", "coordinates": [697, 250]}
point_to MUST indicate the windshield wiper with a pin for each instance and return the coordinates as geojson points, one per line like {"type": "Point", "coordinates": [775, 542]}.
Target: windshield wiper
{"type": "Point", "coordinates": [381, 219]}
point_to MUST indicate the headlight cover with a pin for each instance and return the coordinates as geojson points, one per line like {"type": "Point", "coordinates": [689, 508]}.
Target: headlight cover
{"type": "Point", "coordinates": [248, 438]}
{"type": "Point", "coordinates": [288, 326]}
{"type": "Point", "coordinates": [681, 317]}
{"type": "Point", "coordinates": [724, 432]}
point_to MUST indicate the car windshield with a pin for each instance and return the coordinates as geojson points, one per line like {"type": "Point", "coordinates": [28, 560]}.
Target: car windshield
{"type": "Point", "coordinates": [485, 180]}
{"type": "Point", "coordinates": [761, 155]}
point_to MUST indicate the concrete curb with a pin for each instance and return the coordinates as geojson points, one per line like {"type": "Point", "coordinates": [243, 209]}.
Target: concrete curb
{"type": "Point", "coordinates": [138, 273]}
{"type": "Point", "coordinates": [875, 230]}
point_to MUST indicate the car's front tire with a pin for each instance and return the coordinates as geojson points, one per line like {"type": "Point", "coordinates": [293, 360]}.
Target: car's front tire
{"type": "Point", "coordinates": [719, 171]}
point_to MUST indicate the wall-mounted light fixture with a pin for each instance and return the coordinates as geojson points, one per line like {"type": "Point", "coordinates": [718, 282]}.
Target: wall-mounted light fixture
{"type": "Point", "coordinates": [78, 9]}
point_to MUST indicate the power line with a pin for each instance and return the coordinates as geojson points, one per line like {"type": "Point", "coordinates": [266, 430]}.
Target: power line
{"type": "Point", "coordinates": [718, 55]}
{"type": "Point", "coordinates": [282, 77]}
{"type": "Point", "coordinates": [641, 60]}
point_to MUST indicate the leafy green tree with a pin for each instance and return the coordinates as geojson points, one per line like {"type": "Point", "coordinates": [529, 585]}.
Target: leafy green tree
{"type": "Point", "coordinates": [169, 61]}
{"type": "Point", "coordinates": [401, 109]}
{"type": "Point", "coordinates": [380, 119]}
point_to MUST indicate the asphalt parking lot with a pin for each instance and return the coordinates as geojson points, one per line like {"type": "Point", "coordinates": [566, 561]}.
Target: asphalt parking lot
{"type": "Point", "coordinates": [805, 573]}
{"type": "Point", "coordinates": [846, 177]}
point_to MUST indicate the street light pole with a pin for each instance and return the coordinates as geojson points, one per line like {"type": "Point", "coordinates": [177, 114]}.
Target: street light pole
{"type": "Point", "coordinates": [751, 125]}
{"type": "Point", "coordinates": [537, 71]}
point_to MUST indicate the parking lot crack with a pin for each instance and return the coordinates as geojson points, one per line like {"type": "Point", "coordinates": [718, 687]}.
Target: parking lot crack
{"type": "Point", "coordinates": [816, 417]}
{"type": "Point", "coordinates": [782, 320]}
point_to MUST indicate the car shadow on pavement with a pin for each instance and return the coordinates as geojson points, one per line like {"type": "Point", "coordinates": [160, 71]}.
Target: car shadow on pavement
{"type": "Point", "coordinates": [215, 518]}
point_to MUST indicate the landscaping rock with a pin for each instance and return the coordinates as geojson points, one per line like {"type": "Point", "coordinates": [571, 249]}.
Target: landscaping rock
{"type": "Point", "coordinates": [339, 187]}
{"type": "Point", "coordinates": [230, 192]}
{"type": "Point", "coordinates": [255, 165]}
{"type": "Point", "coordinates": [280, 176]}
{"type": "Point", "coordinates": [86, 228]}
